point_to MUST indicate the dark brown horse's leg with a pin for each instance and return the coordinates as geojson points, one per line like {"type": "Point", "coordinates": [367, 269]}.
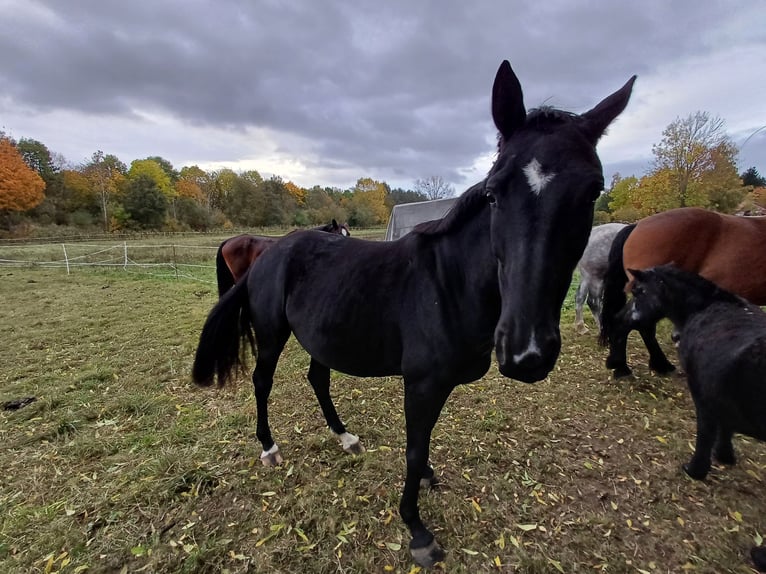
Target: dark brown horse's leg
{"type": "Point", "coordinates": [658, 362]}
{"type": "Point", "coordinates": [319, 377]}
{"type": "Point", "coordinates": [423, 402]}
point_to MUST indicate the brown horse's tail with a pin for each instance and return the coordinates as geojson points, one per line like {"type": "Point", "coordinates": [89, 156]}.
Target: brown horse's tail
{"type": "Point", "coordinates": [222, 272]}
{"type": "Point", "coordinates": [221, 349]}
{"type": "Point", "coordinates": [613, 295]}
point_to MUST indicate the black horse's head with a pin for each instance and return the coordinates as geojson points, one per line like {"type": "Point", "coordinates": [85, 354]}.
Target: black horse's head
{"type": "Point", "coordinates": [541, 192]}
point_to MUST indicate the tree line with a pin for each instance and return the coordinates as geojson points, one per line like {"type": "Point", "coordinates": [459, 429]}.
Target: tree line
{"type": "Point", "coordinates": [695, 164]}
{"type": "Point", "coordinates": [39, 190]}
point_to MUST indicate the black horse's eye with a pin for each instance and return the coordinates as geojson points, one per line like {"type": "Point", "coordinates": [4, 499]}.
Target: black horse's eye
{"type": "Point", "coordinates": [491, 198]}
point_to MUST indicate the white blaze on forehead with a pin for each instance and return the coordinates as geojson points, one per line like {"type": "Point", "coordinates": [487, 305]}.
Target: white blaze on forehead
{"type": "Point", "coordinates": [535, 177]}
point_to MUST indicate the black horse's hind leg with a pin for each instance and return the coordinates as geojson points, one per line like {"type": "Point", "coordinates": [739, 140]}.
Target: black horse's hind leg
{"type": "Point", "coordinates": [263, 379]}
{"type": "Point", "coordinates": [423, 403]}
{"type": "Point", "coordinates": [723, 450]}
{"type": "Point", "coordinates": [319, 377]}
{"type": "Point", "coordinates": [658, 362]}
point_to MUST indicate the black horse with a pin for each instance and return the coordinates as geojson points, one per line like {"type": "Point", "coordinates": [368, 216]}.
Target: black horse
{"type": "Point", "coordinates": [431, 305]}
{"type": "Point", "coordinates": [722, 347]}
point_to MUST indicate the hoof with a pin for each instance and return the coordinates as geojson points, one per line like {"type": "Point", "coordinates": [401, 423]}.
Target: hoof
{"type": "Point", "coordinates": [663, 368]}
{"type": "Point", "coordinates": [725, 457]}
{"type": "Point", "coordinates": [621, 372]}
{"type": "Point", "coordinates": [427, 556]}
{"type": "Point", "coordinates": [351, 443]}
{"type": "Point", "coordinates": [271, 457]}
{"type": "Point", "coordinates": [758, 554]}
{"type": "Point", "coordinates": [429, 482]}
{"type": "Point", "coordinates": [693, 472]}
{"type": "Point", "coordinates": [581, 329]}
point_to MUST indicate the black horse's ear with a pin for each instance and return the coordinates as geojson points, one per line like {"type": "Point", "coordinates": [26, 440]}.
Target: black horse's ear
{"type": "Point", "coordinates": [599, 118]}
{"type": "Point", "coordinates": [508, 109]}
{"type": "Point", "coordinates": [334, 224]}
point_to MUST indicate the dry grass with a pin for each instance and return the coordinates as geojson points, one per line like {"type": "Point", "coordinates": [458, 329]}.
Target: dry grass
{"type": "Point", "coordinates": [122, 465]}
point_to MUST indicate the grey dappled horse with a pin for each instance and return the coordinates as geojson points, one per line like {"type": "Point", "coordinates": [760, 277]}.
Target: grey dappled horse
{"type": "Point", "coordinates": [592, 268]}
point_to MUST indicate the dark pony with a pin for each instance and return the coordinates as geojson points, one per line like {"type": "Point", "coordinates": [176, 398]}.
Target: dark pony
{"type": "Point", "coordinates": [722, 347]}
{"type": "Point", "coordinates": [236, 254]}
{"type": "Point", "coordinates": [726, 249]}
{"type": "Point", "coordinates": [431, 306]}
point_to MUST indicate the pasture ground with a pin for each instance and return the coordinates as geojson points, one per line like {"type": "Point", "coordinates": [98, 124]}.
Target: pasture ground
{"type": "Point", "coordinates": [122, 465]}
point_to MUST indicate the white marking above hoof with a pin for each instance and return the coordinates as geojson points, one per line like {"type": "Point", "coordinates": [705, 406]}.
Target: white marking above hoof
{"type": "Point", "coordinates": [271, 457]}
{"type": "Point", "coordinates": [351, 443]}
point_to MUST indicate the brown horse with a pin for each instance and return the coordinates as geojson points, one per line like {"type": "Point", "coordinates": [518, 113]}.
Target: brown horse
{"type": "Point", "coordinates": [728, 250]}
{"type": "Point", "coordinates": [236, 254]}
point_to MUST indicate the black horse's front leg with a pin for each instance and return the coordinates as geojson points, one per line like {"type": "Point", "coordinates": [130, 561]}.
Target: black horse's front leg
{"type": "Point", "coordinates": [707, 430]}
{"type": "Point", "coordinates": [658, 362]}
{"type": "Point", "coordinates": [423, 402]}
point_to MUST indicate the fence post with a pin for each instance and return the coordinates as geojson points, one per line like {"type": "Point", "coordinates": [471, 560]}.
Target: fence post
{"type": "Point", "coordinates": [125, 257]}
{"type": "Point", "coordinates": [175, 265]}
{"type": "Point", "coordinates": [66, 259]}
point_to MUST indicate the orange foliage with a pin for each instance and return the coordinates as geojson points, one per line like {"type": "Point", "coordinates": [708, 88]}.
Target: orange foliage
{"type": "Point", "coordinates": [297, 192]}
{"type": "Point", "coordinates": [190, 189]}
{"type": "Point", "coordinates": [21, 188]}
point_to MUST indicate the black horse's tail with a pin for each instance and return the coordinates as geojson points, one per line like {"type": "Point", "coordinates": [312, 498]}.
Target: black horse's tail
{"type": "Point", "coordinates": [222, 272]}
{"type": "Point", "coordinates": [613, 295]}
{"type": "Point", "coordinates": [221, 349]}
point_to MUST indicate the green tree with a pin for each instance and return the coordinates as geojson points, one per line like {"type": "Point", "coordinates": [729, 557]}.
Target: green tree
{"type": "Point", "coordinates": [37, 156]}
{"type": "Point", "coordinates": [244, 203]}
{"type": "Point", "coordinates": [622, 193]}
{"type": "Point", "coordinates": [145, 202]}
{"type": "Point", "coordinates": [752, 178]}
{"type": "Point", "coordinates": [322, 208]}
{"type": "Point", "coordinates": [167, 167]}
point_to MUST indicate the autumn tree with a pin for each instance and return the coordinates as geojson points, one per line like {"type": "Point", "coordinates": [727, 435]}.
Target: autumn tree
{"type": "Point", "coordinates": [106, 173]}
{"type": "Point", "coordinates": [21, 188]}
{"type": "Point", "coordinates": [367, 203]}
{"type": "Point", "coordinates": [152, 169]}
{"type": "Point", "coordinates": [434, 187]}
{"type": "Point", "coordinates": [688, 149]}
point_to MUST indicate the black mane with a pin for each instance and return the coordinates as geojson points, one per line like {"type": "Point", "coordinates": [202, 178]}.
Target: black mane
{"type": "Point", "coordinates": [472, 200]}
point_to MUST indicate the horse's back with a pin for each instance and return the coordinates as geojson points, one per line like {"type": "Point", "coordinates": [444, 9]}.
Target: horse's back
{"type": "Point", "coordinates": [595, 258]}
{"type": "Point", "coordinates": [726, 249]}
{"type": "Point", "coordinates": [341, 297]}
{"type": "Point", "coordinates": [723, 350]}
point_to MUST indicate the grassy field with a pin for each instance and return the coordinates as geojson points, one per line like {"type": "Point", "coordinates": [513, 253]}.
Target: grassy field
{"type": "Point", "coordinates": [122, 465]}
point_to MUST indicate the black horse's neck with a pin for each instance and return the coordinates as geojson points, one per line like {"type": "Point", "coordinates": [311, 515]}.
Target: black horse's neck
{"type": "Point", "coordinates": [462, 239]}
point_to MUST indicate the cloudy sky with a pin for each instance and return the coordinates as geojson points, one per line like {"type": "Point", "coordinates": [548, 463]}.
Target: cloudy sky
{"type": "Point", "coordinates": [325, 92]}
